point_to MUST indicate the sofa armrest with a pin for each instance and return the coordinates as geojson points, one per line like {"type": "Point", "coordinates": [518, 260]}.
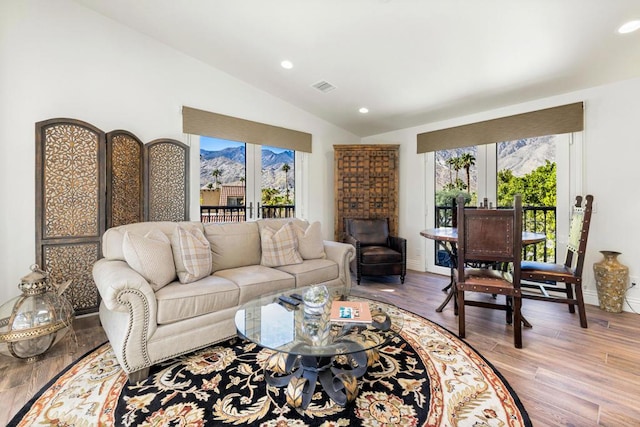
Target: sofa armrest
{"type": "Point", "coordinates": [116, 281]}
{"type": "Point", "coordinates": [128, 312]}
{"type": "Point", "coordinates": [341, 254]}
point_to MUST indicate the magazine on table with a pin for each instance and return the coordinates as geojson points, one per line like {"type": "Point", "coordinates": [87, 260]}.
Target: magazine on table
{"type": "Point", "coordinates": [350, 311]}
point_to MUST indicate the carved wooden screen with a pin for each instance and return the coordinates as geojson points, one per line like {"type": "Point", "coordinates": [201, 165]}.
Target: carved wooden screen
{"type": "Point", "coordinates": [366, 184]}
{"type": "Point", "coordinates": [125, 190]}
{"type": "Point", "coordinates": [166, 180]}
{"type": "Point", "coordinates": [70, 205]}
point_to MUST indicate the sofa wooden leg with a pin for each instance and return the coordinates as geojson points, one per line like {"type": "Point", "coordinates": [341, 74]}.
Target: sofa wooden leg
{"type": "Point", "coordinates": [137, 376]}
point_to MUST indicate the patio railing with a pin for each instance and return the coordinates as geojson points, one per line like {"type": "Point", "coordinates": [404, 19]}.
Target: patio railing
{"type": "Point", "coordinates": [223, 213]}
{"type": "Point", "coordinates": [239, 213]}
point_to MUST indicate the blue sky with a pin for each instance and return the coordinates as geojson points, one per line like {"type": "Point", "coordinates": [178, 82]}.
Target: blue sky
{"type": "Point", "coordinates": [217, 144]}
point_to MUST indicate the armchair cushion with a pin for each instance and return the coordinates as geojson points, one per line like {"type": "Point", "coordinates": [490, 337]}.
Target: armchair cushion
{"type": "Point", "coordinates": [151, 256]}
{"type": "Point", "coordinates": [379, 255]}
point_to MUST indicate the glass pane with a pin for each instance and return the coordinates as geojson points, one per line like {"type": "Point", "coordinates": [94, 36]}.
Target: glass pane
{"type": "Point", "coordinates": [528, 167]}
{"type": "Point", "coordinates": [222, 180]}
{"type": "Point", "coordinates": [278, 183]}
{"type": "Point", "coordinates": [456, 173]}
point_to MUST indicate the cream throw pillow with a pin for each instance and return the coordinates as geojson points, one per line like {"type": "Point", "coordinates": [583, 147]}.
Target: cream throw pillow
{"type": "Point", "coordinates": [279, 247]}
{"type": "Point", "coordinates": [310, 241]}
{"type": "Point", "coordinates": [191, 253]}
{"type": "Point", "coordinates": [150, 255]}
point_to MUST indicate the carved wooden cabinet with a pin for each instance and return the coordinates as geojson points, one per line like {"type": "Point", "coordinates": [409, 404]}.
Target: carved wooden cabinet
{"type": "Point", "coordinates": [366, 184]}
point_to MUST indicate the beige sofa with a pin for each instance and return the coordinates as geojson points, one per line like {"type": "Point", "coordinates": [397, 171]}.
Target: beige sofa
{"type": "Point", "coordinates": [148, 321]}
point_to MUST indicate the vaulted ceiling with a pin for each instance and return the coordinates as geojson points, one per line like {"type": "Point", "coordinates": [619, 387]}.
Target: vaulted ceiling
{"type": "Point", "coordinates": [409, 62]}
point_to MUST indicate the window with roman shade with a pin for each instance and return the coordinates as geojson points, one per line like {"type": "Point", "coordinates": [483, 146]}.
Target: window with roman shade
{"type": "Point", "coordinates": [206, 123]}
{"type": "Point", "coordinates": [550, 121]}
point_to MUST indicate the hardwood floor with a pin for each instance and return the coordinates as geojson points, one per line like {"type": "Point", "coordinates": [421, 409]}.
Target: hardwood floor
{"type": "Point", "coordinates": [564, 375]}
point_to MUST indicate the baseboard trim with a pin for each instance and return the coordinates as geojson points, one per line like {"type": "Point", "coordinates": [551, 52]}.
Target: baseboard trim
{"type": "Point", "coordinates": [631, 305]}
{"type": "Point", "coordinates": [415, 265]}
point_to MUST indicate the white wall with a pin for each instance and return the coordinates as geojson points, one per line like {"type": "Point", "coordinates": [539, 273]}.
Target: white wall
{"type": "Point", "coordinates": [611, 153]}
{"type": "Point", "coordinates": [59, 59]}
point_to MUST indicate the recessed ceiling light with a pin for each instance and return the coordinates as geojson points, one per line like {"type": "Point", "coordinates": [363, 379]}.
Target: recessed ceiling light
{"type": "Point", "coordinates": [629, 27]}
{"type": "Point", "coordinates": [287, 64]}
{"type": "Point", "coordinates": [364, 110]}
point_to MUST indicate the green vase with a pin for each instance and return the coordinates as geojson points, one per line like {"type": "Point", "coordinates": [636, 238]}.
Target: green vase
{"type": "Point", "coordinates": [612, 278]}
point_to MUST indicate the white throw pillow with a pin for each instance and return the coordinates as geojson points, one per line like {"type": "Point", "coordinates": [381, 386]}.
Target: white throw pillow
{"type": "Point", "coordinates": [310, 241]}
{"type": "Point", "coordinates": [279, 247]}
{"type": "Point", "coordinates": [150, 255]}
{"type": "Point", "coordinates": [192, 254]}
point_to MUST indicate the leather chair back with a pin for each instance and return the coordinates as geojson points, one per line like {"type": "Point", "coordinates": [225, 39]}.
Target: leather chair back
{"type": "Point", "coordinates": [370, 232]}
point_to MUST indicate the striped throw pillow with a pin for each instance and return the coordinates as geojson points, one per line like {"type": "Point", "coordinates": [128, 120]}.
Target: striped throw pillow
{"type": "Point", "coordinates": [279, 247]}
{"type": "Point", "coordinates": [192, 254]}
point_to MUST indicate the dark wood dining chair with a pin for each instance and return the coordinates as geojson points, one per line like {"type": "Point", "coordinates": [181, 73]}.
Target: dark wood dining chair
{"type": "Point", "coordinates": [490, 235]}
{"type": "Point", "coordinates": [562, 283]}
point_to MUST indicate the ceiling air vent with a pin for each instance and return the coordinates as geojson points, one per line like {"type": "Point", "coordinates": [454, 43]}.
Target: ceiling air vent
{"type": "Point", "coordinates": [323, 86]}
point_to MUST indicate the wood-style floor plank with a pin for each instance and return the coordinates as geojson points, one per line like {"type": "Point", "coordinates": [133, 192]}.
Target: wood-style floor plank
{"type": "Point", "coordinates": [565, 375]}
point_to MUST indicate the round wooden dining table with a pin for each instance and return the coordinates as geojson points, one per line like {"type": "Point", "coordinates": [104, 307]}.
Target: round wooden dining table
{"type": "Point", "coordinates": [447, 238]}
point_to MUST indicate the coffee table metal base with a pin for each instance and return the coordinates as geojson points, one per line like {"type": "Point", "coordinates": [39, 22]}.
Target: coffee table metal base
{"type": "Point", "coordinates": [300, 374]}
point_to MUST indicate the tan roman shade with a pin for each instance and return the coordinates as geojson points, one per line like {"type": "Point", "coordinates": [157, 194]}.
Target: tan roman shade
{"type": "Point", "coordinates": [550, 121]}
{"type": "Point", "coordinates": [205, 123]}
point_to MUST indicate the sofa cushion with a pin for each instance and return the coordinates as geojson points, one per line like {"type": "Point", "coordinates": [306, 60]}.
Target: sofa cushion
{"type": "Point", "coordinates": [151, 256]}
{"type": "Point", "coordinates": [113, 238]}
{"type": "Point", "coordinates": [312, 271]}
{"type": "Point", "coordinates": [310, 241]}
{"type": "Point", "coordinates": [279, 247]}
{"type": "Point", "coordinates": [277, 223]}
{"type": "Point", "coordinates": [233, 244]}
{"type": "Point", "coordinates": [191, 253]}
{"type": "Point", "coordinates": [209, 294]}
{"type": "Point", "coordinates": [257, 280]}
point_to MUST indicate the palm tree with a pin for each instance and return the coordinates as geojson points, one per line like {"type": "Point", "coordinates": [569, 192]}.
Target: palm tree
{"type": "Point", "coordinates": [457, 165]}
{"type": "Point", "coordinates": [286, 168]}
{"type": "Point", "coordinates": [216, 174]}
{"type": "Point", "coordinates": [466, 161]}
{"type": "Point", "coordinates": [450, 162]}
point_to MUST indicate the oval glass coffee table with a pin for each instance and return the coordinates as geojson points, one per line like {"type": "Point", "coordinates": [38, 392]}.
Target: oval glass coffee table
{"type": "Point", "coordinates": [309, 347]}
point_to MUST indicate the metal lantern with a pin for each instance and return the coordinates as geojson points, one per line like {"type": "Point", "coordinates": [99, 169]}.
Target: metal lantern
{"type": "Point", "coordinates": [32, 323]}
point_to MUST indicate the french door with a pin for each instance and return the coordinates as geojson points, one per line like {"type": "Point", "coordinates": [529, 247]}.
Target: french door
{"type": "Point", "coordinates": [481, 180]}
{"type": "Point", "coordinates": [245, 182]}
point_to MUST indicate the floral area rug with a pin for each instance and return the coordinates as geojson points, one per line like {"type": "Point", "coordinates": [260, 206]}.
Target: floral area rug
{"type": "Point", "coordinates": [425, 377]}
